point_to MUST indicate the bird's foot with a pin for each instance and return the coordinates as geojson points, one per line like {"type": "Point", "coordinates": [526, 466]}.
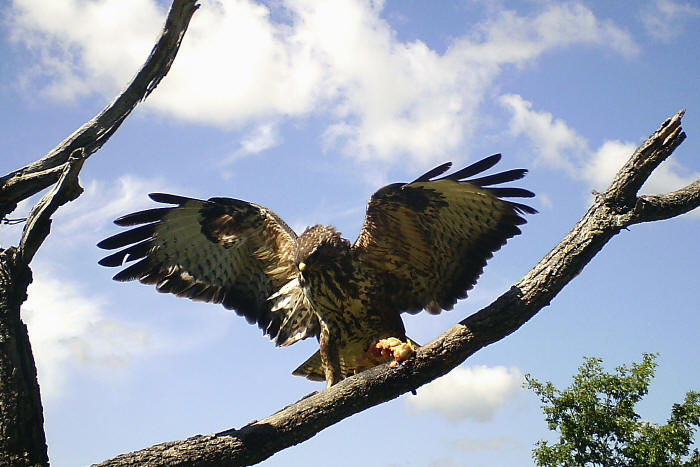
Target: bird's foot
{"type": "Point", "coordinates": [393, 349]}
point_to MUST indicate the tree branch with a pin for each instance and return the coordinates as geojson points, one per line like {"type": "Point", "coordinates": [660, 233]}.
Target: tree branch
{"type": "Point", "coordinates": [38, 225]}
{"type": "Point", "coordinates": [660, 207]}
{"type": "Point", "coordinates": [22, 438]}
{"type": "Point", "coordinates": [33, 178]}
{"type": "Point", "coordinates": [612, 211]}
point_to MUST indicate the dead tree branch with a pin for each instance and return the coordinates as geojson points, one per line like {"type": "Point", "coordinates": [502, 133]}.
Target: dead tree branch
{"type": "Point", "coordinates": [29, 180]}
{"type": "Point", "coordinates": [38, 225]}
{"type": "Point", "coordinates": [22, 438]}
{"type": "Point", "coordinates": [615, 209]}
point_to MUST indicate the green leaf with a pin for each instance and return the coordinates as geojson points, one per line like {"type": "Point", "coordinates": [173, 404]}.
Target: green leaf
{"type": "Point", "coordinates": [598, 425]}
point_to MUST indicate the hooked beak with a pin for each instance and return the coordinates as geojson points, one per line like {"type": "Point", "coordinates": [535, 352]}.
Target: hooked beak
{"type": "Point", "coordinates": [302, 268]}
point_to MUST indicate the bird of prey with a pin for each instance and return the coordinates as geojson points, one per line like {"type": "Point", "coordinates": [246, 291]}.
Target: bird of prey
{"type": "Point", "coordinates": [422, 247]}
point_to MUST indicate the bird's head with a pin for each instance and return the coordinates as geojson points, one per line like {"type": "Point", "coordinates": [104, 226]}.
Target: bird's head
{"type": "Point", "coordinates": [319, 247]}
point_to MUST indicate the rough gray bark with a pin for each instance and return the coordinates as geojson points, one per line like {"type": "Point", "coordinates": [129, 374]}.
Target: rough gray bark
{"type": "Point", "coordinates": [615, 209]}
{"type": "Point", "coordinates": [22, 438]}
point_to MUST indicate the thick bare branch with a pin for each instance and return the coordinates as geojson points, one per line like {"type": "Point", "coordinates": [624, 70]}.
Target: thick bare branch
{"type": "Point", "coordinates": [33, 178]}
{"type": "Point", "coordinates": [630, 178]}
{"type": "Point", "coordinates": [611, 212]}
{"type": "Point", "coordinates": [659, 207]}
{"type": "Point", "coordinates": [22, 439]}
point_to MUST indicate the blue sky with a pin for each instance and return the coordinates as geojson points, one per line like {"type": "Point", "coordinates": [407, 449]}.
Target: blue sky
{"type": "Point", "coordinates": [307, 108]}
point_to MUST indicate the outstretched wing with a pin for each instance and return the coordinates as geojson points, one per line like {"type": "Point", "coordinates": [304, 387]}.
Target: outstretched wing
{"type": "Point", "coordinates": [222, 250]}
{"type": "Point", "coordinates": [425, 243]}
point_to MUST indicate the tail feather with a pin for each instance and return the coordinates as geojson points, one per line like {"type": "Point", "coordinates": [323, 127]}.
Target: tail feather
{"type": "Point", "coordinates": [312, 368]}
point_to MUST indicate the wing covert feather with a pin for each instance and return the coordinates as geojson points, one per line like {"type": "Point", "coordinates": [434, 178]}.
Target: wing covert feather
{"type": "Point", "coordinates": [426, 242]}
{"type": "Point", "coordinates": [222, 250]}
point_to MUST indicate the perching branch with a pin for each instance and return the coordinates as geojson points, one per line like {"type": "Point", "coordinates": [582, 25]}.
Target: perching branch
{"type": "Point", "coordinates": [618, 207]}
{"type": "Point", "coordinates": [27, 181]}
{"type": "Point", "coordinates": [22, 438]}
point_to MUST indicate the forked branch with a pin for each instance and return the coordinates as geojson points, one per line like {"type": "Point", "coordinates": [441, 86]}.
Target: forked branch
{"type": "Point", "coordinates": [27, 181]}
{"type": "Point", "coordinates": [22, 439]}
{"type": "Point", "coordinates": [618, 207]}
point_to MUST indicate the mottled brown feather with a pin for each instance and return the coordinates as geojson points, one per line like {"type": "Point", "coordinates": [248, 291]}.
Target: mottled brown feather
{"type": "Point", "coordinates": [222, 250]}
{"type": "Point", "coordinates": [427, 242]}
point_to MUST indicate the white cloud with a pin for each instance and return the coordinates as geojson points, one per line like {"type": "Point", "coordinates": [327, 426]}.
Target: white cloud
{"type": "Point", "coordinates": [545, 200]}
{"type": "Point", "coordinates": [82, 46]}
{"type": "Point", "coordinates": [560, 147]}
{"type": "Point", "coordinates": [220, 78]}
{"type": "Point", "coordinates": [666, 19]}
{"type": "Point", "coordinates": [475, 393]}
{"type": "Point", "coordinates": [511, 38]}
{"type": "Point", "coordinates": [386, 98]}
{"type": "Point", "coordinates": [606, 161]}
{"type": "Point", "coordinates": [68, 327]}
{"type": "Point", "coordinates": [261, 138]}
{"type": "Point", "coordinates": [556, 144]}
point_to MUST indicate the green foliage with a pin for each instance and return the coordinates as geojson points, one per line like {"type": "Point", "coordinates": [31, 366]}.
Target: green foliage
{"type": "Point", "coordinates": [598, 425]}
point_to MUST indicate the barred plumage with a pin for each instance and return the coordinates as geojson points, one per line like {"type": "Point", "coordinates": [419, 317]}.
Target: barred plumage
{"type": "Point", "coordinates": [422, 246]}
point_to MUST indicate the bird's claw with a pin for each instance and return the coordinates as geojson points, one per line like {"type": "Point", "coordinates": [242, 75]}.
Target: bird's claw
{"type": "Point", "coordinates": [394, 349]}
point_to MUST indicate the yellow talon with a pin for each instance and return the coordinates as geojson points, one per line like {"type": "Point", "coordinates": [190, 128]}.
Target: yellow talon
{"type": "Point", "coordinates": [403, 351]}
{"type": "Point", "coordinates": [393, 347]}
{"type": "Point", "coordinates": [388, 343]}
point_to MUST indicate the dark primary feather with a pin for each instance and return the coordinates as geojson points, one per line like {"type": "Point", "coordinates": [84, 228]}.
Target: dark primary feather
{"type": "Point", "coordinates": [131, 253]}
{"type": "Point", "coordinates": [425, 243]}
{"type": "Point", "coordinates": [522, 208]}
{"type": "Point", "coordinates": [168, 198]}
{"type": "Point", "coordinates": [128, 237]}
{"type": "Point", "coordinates": [508, 192]}
{"type": "Point", "coordinates": [476, 168]}
{"type": "Point", "coordinates": [222, 250]}
{"type": "Point", "coordinates": [440, 169]}
{"type": "Point", "coordinates": [142, 217]}
{"type": "Point", "coordinates": [502, 177]}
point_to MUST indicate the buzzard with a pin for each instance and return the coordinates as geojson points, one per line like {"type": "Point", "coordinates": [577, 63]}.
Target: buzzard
{"type": "Point", "coordinates": [422, 247]}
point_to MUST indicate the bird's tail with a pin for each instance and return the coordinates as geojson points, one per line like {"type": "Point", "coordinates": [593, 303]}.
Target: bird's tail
{"type": "Point", "coordinates": [311, 368]}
